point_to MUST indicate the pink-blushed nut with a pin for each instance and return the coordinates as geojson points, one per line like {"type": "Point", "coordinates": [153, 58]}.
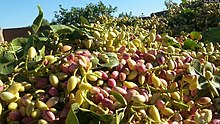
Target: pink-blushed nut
{"type": "Point", "coordinates": [140, 61]}
{"type": "Point", "coordinates": [161, 60]}
{"type": "Point", "coordinates": [43, 97]}
{"type": "Point", "coordinates": [70, 57]}
{"type": "Point", "coordinates": [46, 62]}
{"type": "Point", "coordinates": [121, 49]}
{"type": "Point", "coordinates": [99, 97]}
{"type": "Point", "coordinates": [111, 82]}
{"type": "Point", "coordinates": [53, 91]}
{"type": "Point", "coordinates": [149, 66]}
{"type": "Point", "coordinates": [153, 52]}
{"type": "Point", "coordinates": [193, 110]}
{"type": "Point", "coordinates": [104, 75]}
{"type": "Point", "coordinates": [48, 115]}
{"type": "Point", "coordinates": [119, 90]}
{"type": "Point", "coordinates": [105, 93]}
{"type": "Point", "coordinates": [41, 83]}
{"type": "Point", "coordinates": [94, 90]}
{"type": "Point", "coordinates": [108, 103]}
{"type": "Point", "coordinates": [158, 38]}
{"type": "Point", "coordinates": [164, 82]}
{"type": "Point", "coordinates": [135, 57]}
{"type": "Point", "coordinates": [81, 63]}
{"type": "Point", "coordinates": [86, 53]}
{"type": "Point", "coordinates": [64, 68]}
{"type": "Point", "coordinates": [160, 104]}
{"type": "Point", "coordinates": [141, 68]}
{"type": "Point", "coordinates": [145, 94]}
{"type": "Point", "coordinates": [215, 121]}
{"type": "Point", "coordinates": [108, 89]}
{"type": "Point", "coordinates": [186, 98]}
{"type": "Point", "coordinates": [26, 120]}
{"type": "Point", "coordinates": [130, 93]}
{"type": "Point", "coordinates": [119, 67]}
{"type": "Point", "coordinates": [193, 92]}
{"type": "Point", "coordinates": [124, 87]}
{"type": "Point", "coordinates": [187, 60]}
{"type": "Point", "coordinates": [72, 67]}
{"type": "Point", "coordinates": [162, 74]}
{"type": "Point", "coordinates": [1, 88]}
{"type": "Point", "coordinates": [114, 75]}
{"type": "Point", "coordinates": [14, 115]}
{"type": "Point", "coordinates": [122, 76]}
{"type": "Point", "coordinates": [126, 56]}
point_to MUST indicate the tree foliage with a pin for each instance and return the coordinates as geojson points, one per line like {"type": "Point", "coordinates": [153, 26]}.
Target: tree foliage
{"type": "Point", "coordinates": [90, 12]}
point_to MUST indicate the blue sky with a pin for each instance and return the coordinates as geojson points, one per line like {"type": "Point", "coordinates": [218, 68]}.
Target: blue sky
{"type": "Point", "coordinates": [21, 13]}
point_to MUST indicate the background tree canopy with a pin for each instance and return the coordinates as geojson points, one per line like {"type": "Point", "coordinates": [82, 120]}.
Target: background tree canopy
{"type": "Point", "coordinates": [90, 12]}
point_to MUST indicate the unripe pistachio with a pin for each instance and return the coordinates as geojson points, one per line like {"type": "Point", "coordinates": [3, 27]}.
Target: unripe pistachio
{"type": "Point", "coordinates": [154, 113]}
{"type": "Point", "coordinates": [14, 88]}
{"type": "Point", "coordinates": [12, 106]}
{"type": "Point", "coordinates": [129, 84]}
{"type": "Point", "coordinates": [138, 98]}
{"type": "Point", "coordinates": [53, 80]}
{"type": "Point", "coordinates": [71, 83]}
{"type": "Point", "coordinates": [41, 105]}
{"type": "Point", "coordinates": [132, 75]}
{"type": "Point", "coordinates": [85, 86]}
{"type": "Point", "coordinates": [156, 81]}
{"type": "Point", "coordinates": [166, 111]}
{"type": "Point", "coordinates": [66, 48]}
{"type": "Point", "coordinates": [7, 96]}
{"type": "Point", "coordinates": [32, 52]}
{"type": "Point", "coordinates": [42, 121]}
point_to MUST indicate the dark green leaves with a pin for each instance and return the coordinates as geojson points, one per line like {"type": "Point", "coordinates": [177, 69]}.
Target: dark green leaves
{"type": "Point", "coordinates": [170, 41]}
{"type": "Point", "coordinates": [119, 97]}
{"type": "Point", "coordinates": [190, 44]}
{"type": "Point", "coordinates": [84, 20]}
{"type": "Point", "coordinates": [195, 67]}
{"type": "Point", "coordinates": [71, 117]}
{"type": "Point", "coordinates": [212, 35]}
{"type": "Point", "coordinates": [195, 35]}
{"type": "Point", "coordinates": [113, 60]}
{"type": "Point", "coordinates": [61, 29]}
{"type": "Point", "coordinates": [37, 22]}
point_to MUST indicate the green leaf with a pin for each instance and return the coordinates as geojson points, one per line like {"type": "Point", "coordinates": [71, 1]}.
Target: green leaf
{"type": "Point", "coordinates": [170, 41]}
{"type": "Point", "coordinates": [87, 114]}
{"type": "Point", "coordinates": [212, 35]}
{"type": "Point", "coordinates": [120, 116]}
{"type": "Point", "coordinates": [41, 54]}
{"type": "Point", "coordinates": [197, 66]}
{"type": "Point", "coordinates": [71, 117]}
{"type": "Point", "coordinates": [38, 20]}
{"type": "Point", "coordinates": [203, 85]}
{"type": "Point", "coordinates": [113, 61]}
{"type": "Point", "coordinates": [18, 43]}
{"type": "Point", "coordinates": [61, 29]}
{"type": "Point", "coordinates": [207, 66]}
{"type": "Point", "coordinates": [190, 44]}
{"type": "Point", "coordinates": [119, 97]}
{"type": "Point", "coordinates": [7, 68]}
{"type": "Point", "coordinates": [180, 105]}
{"type": "Point", "coordinates": [195, 35]}
{"type": "Point", "coordinates": [84, 20]}
{"type": "Point", "coordinates": [216, 81]}
{"type": "Point", "coordinates": [184, 1]}
{"type": "Point", "coordinates": [94, 60]}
